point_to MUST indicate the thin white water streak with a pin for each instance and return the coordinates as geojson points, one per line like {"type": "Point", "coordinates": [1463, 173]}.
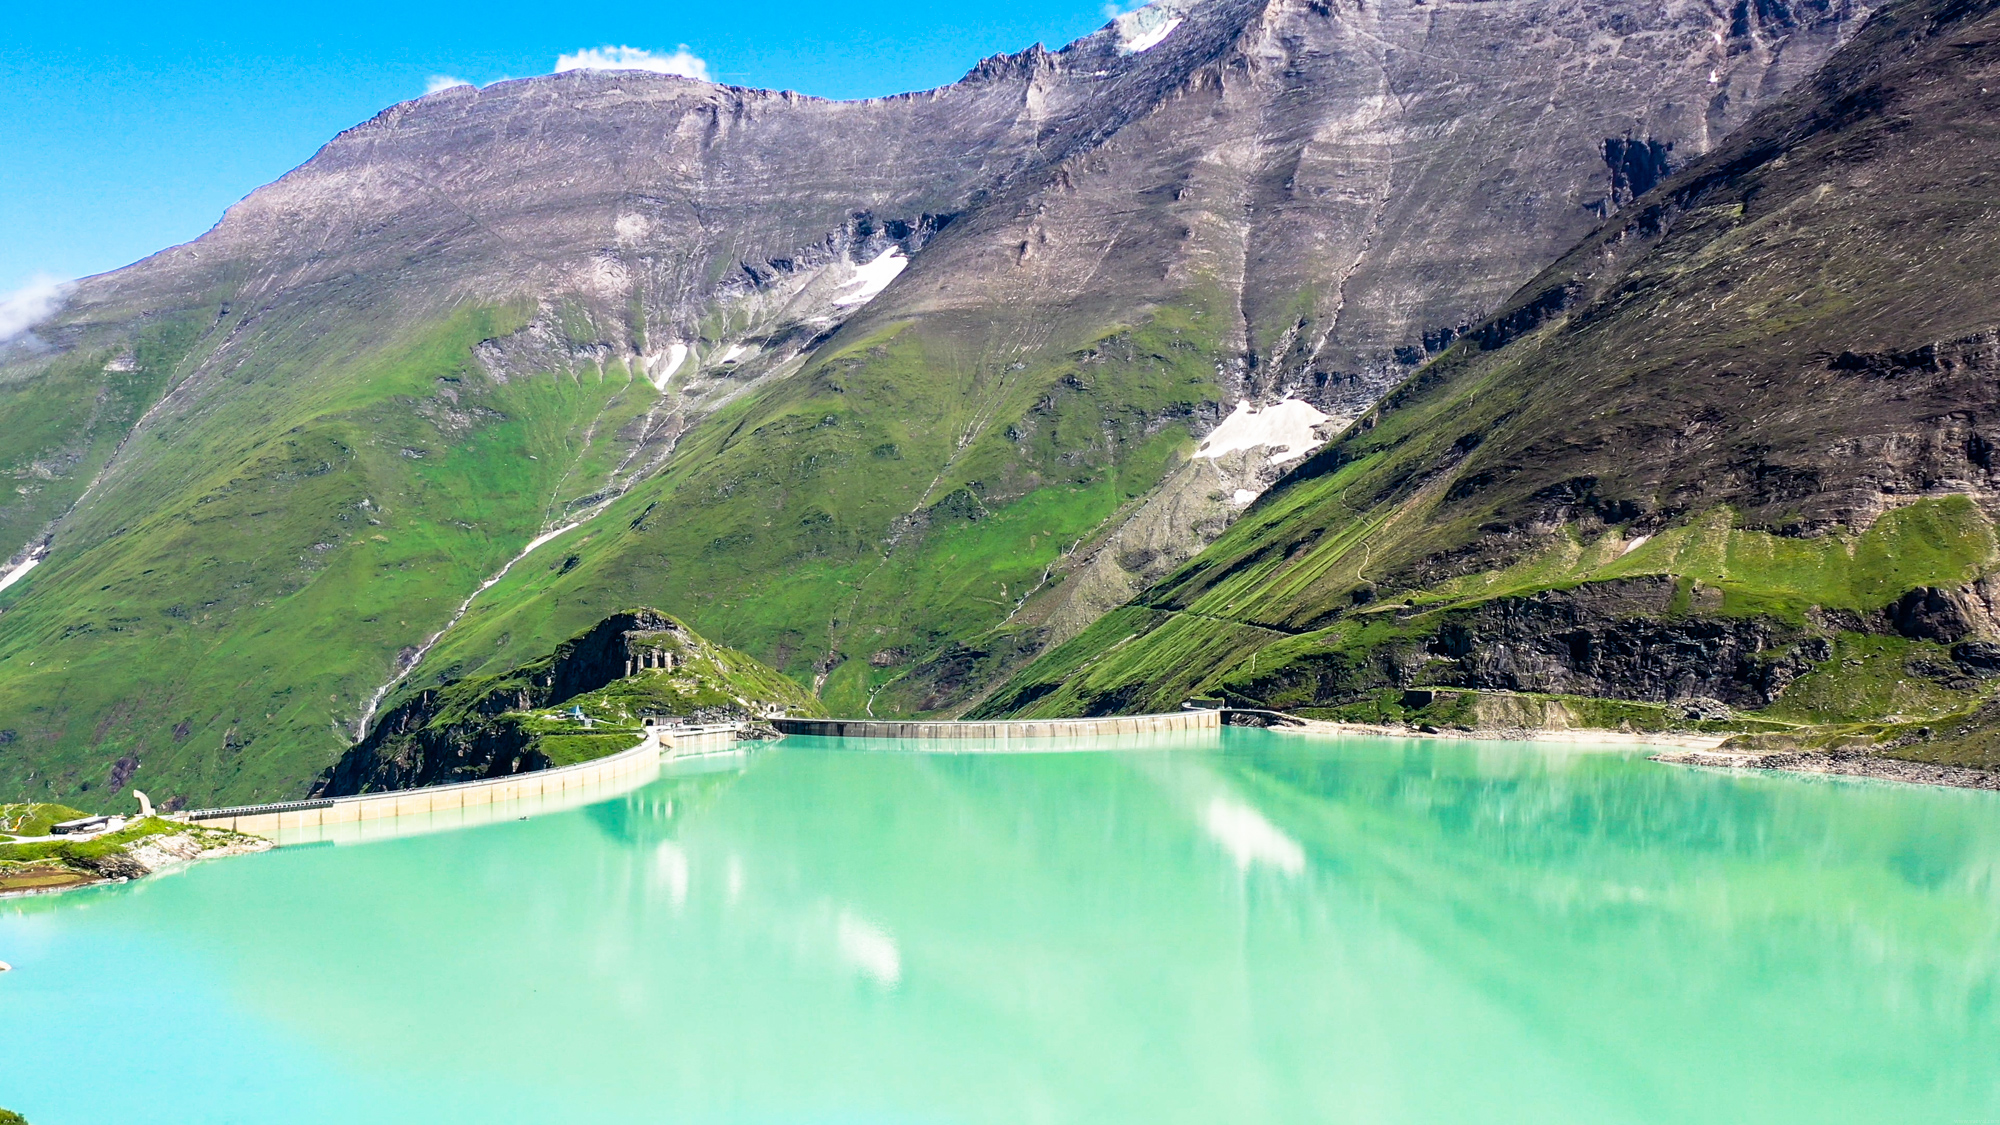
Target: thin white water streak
{"type": "Point", "coordinates": [374, 701]}
{"type": "Point", "coordinates": [618, 490]}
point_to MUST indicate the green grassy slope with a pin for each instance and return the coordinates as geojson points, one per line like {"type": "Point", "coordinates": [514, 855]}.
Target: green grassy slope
{"type": "Point", "coordinates": [224, 604]}
{"type": "Point", "coordinates": [910, 487]}
{"type": "Point", "coordinates": [67, 416]}
{"type": "Point", "coordinates": [222, 607]}
{"type": "Point", "coordinates": [1767, 384]}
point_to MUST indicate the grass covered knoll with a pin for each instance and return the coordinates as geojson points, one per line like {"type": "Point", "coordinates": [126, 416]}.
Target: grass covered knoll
{"type": "Point", "coordinates": [1734, 444]}
{"type": "Point", "coordinates": [630, 665]}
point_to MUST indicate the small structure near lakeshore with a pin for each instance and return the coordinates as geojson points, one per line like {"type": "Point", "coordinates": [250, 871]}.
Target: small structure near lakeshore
{"type": "Point", "coordinates": [88, 825]}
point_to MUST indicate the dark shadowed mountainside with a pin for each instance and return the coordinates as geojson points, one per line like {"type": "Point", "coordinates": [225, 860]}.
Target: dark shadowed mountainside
{"type": "Point", "coordinates": [1734, 451]}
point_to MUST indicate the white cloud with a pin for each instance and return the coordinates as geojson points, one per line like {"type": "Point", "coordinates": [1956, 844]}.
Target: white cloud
{"type": "Point", "coordinates": [31, 304]}
{"type": "Point", "coordinates": [443, 82]}
{"type": "Point", "coordinates": [1113, 11]}
{"type": "Point", "coordinates": [632, 58]}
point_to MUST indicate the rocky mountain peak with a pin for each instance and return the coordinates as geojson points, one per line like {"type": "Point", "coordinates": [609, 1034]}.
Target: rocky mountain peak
{"type": "Point", "coordinates": [920, 375]}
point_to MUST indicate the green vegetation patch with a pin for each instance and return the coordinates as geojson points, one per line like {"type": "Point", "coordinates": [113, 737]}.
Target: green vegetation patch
{"type": "Point", "coordinates": [1971, 740]}
{"type": "Point", "coordinates": [572, 747]}
{"type": "Point", "coordinates": [66, 415]}
{"type": "Point", "coordinates": [219, 614]}
{"type": "Point", "coordinates": [1876, 679]}
{"type": "Point", "coordinates": [1938, 541]}
{"type": "Point", "coordinates": [48, 864]}
{"type": "Point", "coordinates": [904, 492]}
{"type": "Point", "coordinates": [34, 819]}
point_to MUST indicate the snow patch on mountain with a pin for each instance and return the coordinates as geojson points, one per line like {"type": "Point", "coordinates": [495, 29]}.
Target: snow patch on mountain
{"type": "Point", "coordinates": [19, 572]}
{"type": "Point", "coordinates": [1145, 28]}
{"type": "Point", "coordinates": [1286, 426]}
{"type": "Point", "coordinates": [870, 279]}
{"type": "Point", "coordinates": [661, 365]}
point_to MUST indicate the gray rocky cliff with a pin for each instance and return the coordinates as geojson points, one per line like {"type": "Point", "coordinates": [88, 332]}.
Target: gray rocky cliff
{"type": "Point", "coordinates": [1312, 196]}
{"type": "Point", "coordinates": [1360, 181]}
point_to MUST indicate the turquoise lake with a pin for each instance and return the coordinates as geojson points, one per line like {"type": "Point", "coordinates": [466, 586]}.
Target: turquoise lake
{"type": "Point", "coordinates": [1268, 929]}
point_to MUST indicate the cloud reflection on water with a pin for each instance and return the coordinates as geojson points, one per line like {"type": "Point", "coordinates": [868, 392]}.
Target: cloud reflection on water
{"type": "Point", "coordinates": [870, 949]}
{"type": "Point", "coordinates": [1251, 839]}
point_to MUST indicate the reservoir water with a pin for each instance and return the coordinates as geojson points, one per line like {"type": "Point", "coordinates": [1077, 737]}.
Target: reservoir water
{"type": "Point", "coordinates": [1270, 929]}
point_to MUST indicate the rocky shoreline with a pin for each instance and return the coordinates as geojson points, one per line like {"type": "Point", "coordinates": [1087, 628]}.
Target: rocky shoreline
{"type": "Point", "coordinates": [1844, 762]}
{"type": "Point", "coordinates": [134, 853]}
{"type": "Point", "coordinates": [1581, 736]}
{"type": "Point", "coordinates": [1689, 749]}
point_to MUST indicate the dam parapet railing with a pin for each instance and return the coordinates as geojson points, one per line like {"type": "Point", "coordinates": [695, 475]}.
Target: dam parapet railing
{"type": "Point", "coordinates": [1194, 724]}
{"type": "Point", "coordinates": [402, 812]}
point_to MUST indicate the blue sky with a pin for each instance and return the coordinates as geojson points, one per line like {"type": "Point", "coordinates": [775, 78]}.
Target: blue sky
{"type": "Point", "coordinates": [126, 128]}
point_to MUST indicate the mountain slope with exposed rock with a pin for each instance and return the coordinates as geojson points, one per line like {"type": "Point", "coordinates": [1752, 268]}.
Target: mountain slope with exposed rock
{"type": "Point", "coordinates": [1735, 446]}
{"type": "Point", "coordinates": [890, 394]}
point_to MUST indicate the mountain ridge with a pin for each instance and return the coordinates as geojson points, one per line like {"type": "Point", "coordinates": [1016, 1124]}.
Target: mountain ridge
{"type": "Point", "coordinates": [815, 393]}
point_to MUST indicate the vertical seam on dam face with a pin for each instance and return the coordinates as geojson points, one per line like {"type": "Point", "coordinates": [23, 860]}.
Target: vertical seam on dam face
{"type": "Point", "coordinates": [1167, 723]}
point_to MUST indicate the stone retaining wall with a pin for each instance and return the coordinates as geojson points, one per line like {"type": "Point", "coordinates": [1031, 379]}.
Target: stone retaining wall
{"type": "Point", "coordinates": [1173, 722]}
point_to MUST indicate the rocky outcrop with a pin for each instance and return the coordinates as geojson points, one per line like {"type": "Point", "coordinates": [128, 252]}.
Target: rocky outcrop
{"type": "Point", "coordinates": [628, 667]}
{"type": "Point", "coordinates": [456, 732]}
{"type": "Point", "coordinates": [1622, 639]}
{"type": "Point", "coordinates": [1855, 761]}
{"type": "Point", "coordinates": [1618, 640]}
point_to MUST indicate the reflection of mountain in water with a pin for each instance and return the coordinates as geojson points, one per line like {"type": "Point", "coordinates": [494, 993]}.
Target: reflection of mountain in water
{"type": "Point", "coordinates": [1606, 899]}
{"type": "Point", "coordinates": [685, 789]}
{"type": "Point", "coordinates": [1284, 930]}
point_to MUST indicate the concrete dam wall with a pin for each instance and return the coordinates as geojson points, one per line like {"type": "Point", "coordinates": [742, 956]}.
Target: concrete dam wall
{"type": "Point", "coordinates": [1172, 722]}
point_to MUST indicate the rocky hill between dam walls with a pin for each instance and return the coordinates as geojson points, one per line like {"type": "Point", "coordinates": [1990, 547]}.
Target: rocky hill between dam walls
{"type": "Point", "coordinates": [1733, 453]}
{"type": "Point", "coordinates": [890, 394]}
{"type": "Point", "coordinates": [627, 668]}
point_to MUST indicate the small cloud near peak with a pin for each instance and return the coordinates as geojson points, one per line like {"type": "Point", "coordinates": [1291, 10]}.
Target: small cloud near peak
{"type": "Point", "coordinates": [680, 62]}
{"type": "Point", "coordinates": [443, 82]}
{"type": "Point", "coordinates": [31, 304]}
